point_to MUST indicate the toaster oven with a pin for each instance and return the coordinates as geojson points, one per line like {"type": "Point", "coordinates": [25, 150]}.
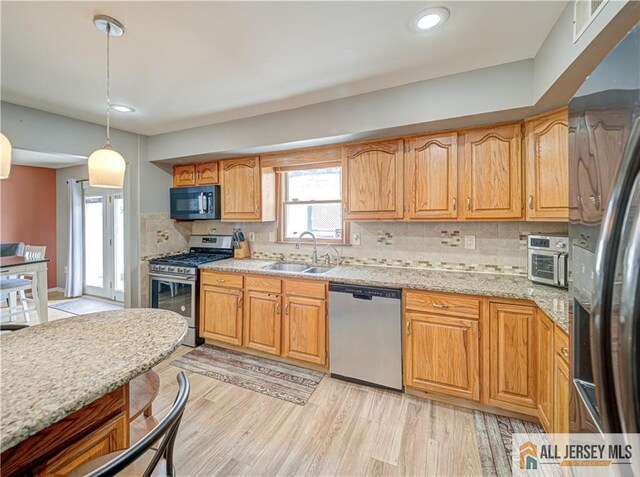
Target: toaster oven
{"type": "Point", "coordinates": [548, 259]}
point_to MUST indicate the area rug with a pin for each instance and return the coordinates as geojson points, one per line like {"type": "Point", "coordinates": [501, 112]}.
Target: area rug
{"type": "Point", "coordinates": [493, 434]}
{"type": "Point", "coordinates": [82, 306]}
{"type": "Point", "coordinates": [279, 380]}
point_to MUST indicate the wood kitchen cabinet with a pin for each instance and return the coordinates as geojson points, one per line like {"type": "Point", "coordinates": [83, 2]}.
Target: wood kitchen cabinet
{"type": "Point", "coordinates": [262, 323]}
{"type": "Point", "coordinates": [561, 383]}
{"type": "Point", "coordinates": [184, 175]}
{"type": "Point", "coordinates": [221, 314]}
{"type": "Point", "coordinates": [547, 166]}
{"type": "Point", "coordinates": [431, 170]}
{"type": "Point", "coordinates": [441, 354]}
{"type": "Point", "coordinates": [305, 329]}
{"type": "Point", "coordinates": [492, 183]}
{"type": "Point", "coordinates": [248, 191]}
{"type": "Point", "coordinates": [545, 369]}
{"type": "Point", "coordinates": [201, 173]}
{"type": "Point", "coordinates": [372, 180]}
{"type": "Point", "coordinates": [512, 357]}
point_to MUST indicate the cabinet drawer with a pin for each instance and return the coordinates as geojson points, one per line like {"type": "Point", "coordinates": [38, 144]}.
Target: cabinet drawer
{"type": "Point", "coordinates": [443, 304]}
{"type": "Point", "coordinates": [305, 288]}
{"type": "Point", "coordinates": [266, 284]}
{"type": "Point", "coordinates": [219, 279]}
{"type": "Point", "coordinates": [561, 344]}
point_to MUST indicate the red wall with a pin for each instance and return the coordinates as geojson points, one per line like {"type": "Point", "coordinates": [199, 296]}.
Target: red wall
{"type": "Point", "coordinates": [28, 210]}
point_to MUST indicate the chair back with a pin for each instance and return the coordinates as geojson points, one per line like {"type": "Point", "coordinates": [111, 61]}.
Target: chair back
{"type": "Point", "coordinates": [167, 429]}
{"type": "Point", "coordinates": [34, 252]}
{"type": "Point", "coordinates": [11, 249]}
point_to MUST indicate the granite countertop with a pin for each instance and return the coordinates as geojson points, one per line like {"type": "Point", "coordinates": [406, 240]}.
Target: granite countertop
{"type": "Point", "coordinates": [553, 301]}
{"type": "Point", "coordinates": [50, 370]}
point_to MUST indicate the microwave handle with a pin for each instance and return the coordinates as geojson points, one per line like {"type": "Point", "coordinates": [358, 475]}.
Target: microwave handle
{"type": "Point", "coordinates": [562, 270]}
{"type": "Point", "coordinates": [556, 260]}
{"type": "Point", "coordinates": [201, 199]}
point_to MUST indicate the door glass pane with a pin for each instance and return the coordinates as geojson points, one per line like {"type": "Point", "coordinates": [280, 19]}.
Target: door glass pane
{"type": "Point", "coordinates": [94, 241]}
{"type": "Point", "coordinates": [173, 296]}
{"type": "Point", "coordinates": [542, 266]}
{"type": "Point", "coordinates": [118, 242]}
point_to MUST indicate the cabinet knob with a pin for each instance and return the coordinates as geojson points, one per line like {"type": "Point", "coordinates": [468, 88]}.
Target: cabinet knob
{"type": "Point", "coordinates": [220, 280]}
{"type": "Point", "coordinates": [286, 309]}
{"type": "Point", "coordinates": [277, 308]}
{"type": "Point", "coordinates": [442, 306]}
{"type": "Point", "coordinates": [240, 302]}
{"type": "Point", "coordinates": [257, 209]}
{"type": "Point", "coordinates": [408, 328]}
{"type": "Point", "coordinates": [468, 203]}
{"type": "Point", "coordinates": [531, 201]}
{"type": "Point", "coordinates": [454, 203]}
{"type": "Point", "coordinates": [565, 351]}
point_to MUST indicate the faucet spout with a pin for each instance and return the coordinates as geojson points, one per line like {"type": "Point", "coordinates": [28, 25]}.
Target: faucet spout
{"type": "Point", "coordinates": [315, 244]}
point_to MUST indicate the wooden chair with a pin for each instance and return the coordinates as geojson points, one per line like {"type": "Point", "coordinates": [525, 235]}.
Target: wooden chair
{"type": "Point", "coordinates": [24, 283]}
{"type": "Point", "coordinates": [14, 289]}
{"type": "Point", "coordinates": [141, 459]}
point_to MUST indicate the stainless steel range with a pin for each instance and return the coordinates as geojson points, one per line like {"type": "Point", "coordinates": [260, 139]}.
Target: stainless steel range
{"type": "Point", "coordinates": [173, 280]}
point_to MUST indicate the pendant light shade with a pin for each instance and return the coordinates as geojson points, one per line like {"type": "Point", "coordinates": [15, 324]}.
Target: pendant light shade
{"type": "Point", "coordinates": [106, 168]}
{"type": "Point", "coordinates": [5, 157]}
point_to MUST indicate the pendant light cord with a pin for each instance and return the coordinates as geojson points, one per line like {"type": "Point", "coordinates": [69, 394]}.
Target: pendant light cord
{"type": "Point", "coordinates": [108, 78]}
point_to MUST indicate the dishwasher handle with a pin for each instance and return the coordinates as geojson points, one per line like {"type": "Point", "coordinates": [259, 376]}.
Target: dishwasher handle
{"type": "Point", "coordinates": [361, 292]}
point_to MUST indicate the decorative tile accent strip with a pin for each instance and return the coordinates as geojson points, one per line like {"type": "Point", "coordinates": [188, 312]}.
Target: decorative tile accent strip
{"type": "Point", "coordinates": [420, 264]}
{"type": "Point", "coordinates": [385, 238]}
{"type": "Point", "coordinates": [450, 239]}
{"type": "Point", "coordinates": [162, 235]}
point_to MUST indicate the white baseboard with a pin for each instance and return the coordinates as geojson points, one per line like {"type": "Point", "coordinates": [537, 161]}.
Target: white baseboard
{"type": "Point", "coordinates": [56, 289]}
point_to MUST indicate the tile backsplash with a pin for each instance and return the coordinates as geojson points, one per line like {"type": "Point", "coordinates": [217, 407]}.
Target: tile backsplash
{"type": "Point", "coordinates": [500, 247]}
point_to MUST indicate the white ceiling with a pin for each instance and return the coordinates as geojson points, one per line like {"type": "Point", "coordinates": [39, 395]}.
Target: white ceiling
{"type": "Point", "coordinates": [186, 64]}
{"type": "Point", "coordinates": [24, 157]}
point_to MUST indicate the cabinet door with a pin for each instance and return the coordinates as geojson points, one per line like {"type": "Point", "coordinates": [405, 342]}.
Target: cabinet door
{"type": "Point", "coordinates": [184, 175]}
{"type": "Point", "coordinates": [372, 180]}
{"type": "Point", "coordinates": [511, 355]}
{"type": "Point", "coordinates": [262, 325]}
{"type": "Point", "coordinates": [547, 167]}
{"type": "Point", "coordinates": [241, 189]}
{"type": "Point", "coordinates": [207, 173]}
{"type": "Point", "coordinates": [493, 173]}
{"type": "Point", "coordinates": [544, 365]}
{"type": "Point", "coordinates": [442, 355]}
{"type": "Point", "coordinates": [561, 396]}
{"type": "Point", "coordinates": [432, 177]}
{"type": "Point", "coordinates": [110, 437]}
{"type": "Point", "coordinates": [221, 314]}
{"type": "Point", "coordinates": [305, 328]}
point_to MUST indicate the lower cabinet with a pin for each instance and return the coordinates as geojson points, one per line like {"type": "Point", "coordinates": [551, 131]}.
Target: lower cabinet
{"type": "Point", "coordinates": [280, 317]}
{"type": "Point", "coordinates": [561, 380]}
{"type": "Point", "coordinates": [262, 323]}
{"type": "Point", "coordinates": [545, 369]}
{"type": "Point", "coordinates": [110, 437]}
{"type": "Point", "coordinates": [442, 354]}
{"type": "Point", "coordinates": [512, 357]}
{"type": "Point", "coordinates": [305, 329]}
{"type": "Point", "coordinates": [221, 314]}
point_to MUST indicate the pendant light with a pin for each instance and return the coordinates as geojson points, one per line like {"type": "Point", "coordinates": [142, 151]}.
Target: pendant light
{"type": "Point", "coordinates": [106, 165]}
{"type": "Point", "coordinates": [5, 156]}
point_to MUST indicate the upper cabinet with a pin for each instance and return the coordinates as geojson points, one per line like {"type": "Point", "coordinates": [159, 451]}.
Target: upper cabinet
{"type": "Point", "coordinates": [201, 173]}
{"type": "Point", "coordinates": [248, 191]}
{"type": "Point", "coordinates": [492, 185]}
{"type": "Point", "coordinates": [431, 170]}
{"type": "Point", "coordinates": [184, 175]}
{"type": "Point", "coordinates": [547, 166]}
{"type": "Point", "coordinates": [373, 182]}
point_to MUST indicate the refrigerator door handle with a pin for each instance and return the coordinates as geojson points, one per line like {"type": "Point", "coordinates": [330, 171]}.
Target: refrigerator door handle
{"type": "Point", "coordinates": [606, 255]}
{"type": "Point", "coordinates": [628, 382]}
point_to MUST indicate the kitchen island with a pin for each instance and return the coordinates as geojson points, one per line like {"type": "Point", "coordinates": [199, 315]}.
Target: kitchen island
{"type": "Point", "coordinates": [64, 385]}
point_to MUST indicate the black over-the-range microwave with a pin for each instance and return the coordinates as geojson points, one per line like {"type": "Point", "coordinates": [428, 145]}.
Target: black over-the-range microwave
{"type": "Point", "coordinates": [195, 203]}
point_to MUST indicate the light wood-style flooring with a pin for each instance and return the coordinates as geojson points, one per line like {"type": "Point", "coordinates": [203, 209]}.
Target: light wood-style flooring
{"type": "Point", "coordinates": [345, 429]}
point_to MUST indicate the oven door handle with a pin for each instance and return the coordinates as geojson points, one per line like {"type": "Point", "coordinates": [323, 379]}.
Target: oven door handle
{"type": "Point", "coordinates": [555, 269]}
{"type": "Point", "coordinates": [173, 278]}
{"type": "Point", "coordinates": [562, 269]}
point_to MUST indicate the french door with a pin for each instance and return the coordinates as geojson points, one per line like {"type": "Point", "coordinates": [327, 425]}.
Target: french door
{"type": "Point", "coordinates": [104, 243]}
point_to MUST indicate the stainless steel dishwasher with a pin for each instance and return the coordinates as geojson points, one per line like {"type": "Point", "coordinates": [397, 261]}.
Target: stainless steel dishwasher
{"type": "Point", "coordinates": [365, 334]}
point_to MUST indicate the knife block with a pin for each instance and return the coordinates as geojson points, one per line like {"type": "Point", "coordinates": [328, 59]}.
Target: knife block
{"type": "Point", "coordinates": [243, 250]}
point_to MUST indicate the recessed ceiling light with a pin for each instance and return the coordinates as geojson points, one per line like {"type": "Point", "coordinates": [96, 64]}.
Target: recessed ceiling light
{"type": "Point", "coordinates": [122, 108]}
{"type": "Point", "coordinates": [429, 19]}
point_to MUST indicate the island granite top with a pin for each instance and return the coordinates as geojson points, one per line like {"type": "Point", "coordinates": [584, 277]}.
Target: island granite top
{"type": "Point", "coordinates": [553, 301]}
{"type": "Point", "coordinates": [50, 370]}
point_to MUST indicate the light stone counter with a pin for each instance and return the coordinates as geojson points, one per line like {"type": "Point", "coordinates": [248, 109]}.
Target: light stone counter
{"type": "Point", "coordinates": [50, 370]}
{"type": "Point", "coordinates": [553, 301]}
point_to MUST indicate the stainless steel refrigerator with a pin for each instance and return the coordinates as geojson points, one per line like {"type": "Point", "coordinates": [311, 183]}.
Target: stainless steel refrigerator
{"type": "Point", "coordinates": [604, 232]}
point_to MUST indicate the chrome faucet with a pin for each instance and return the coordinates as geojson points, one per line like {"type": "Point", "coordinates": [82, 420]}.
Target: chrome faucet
{"type": "Point", "coordinates": [315, 245]}
{"type": "Point", "coordinates": [327, 255]}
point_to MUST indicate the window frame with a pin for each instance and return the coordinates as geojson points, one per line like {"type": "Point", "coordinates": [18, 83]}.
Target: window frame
{"type": "Point", "coordinates": [282, 183]}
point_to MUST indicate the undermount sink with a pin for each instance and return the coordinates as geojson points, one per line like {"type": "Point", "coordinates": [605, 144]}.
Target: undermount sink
{"type": "Point", "coordinates": [296, 267]}
{"type": "Point", "coordinates": [317, 270]}
{"type": "Point", "coordinates": [287, 267]}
